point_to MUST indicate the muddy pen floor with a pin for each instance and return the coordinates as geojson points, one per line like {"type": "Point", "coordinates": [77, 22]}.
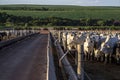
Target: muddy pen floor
{"type": "Point", "coordinates": [98, 70]}
{"type": "Point", "coordinates": [101, 71]}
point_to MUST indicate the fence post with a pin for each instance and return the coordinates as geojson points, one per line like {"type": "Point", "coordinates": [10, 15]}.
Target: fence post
{"type": "Point", "coordinates": [66, 42]}
{"type": "Point", "coordinates": [80, 70]}
{"type": "Point", "coordinates": [59, 36]}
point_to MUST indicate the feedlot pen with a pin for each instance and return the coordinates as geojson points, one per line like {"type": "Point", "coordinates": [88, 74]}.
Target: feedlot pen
{"type": "Point", "coordinates": [96, 70]}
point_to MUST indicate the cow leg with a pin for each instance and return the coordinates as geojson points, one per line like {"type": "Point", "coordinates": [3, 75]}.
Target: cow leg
{"type": "Point", "coordinates": [98, 58]}
{"type": "Point", "coordinates": [118, 59]}
{"type": "Point", "coordinates": [88, 56]}
{"type": "Point", "coordinates": [92, 56]}
{"type": "Point", "coordinates": [106, 59]}
{"type": "Point", "coordinates": [85, 56]}
{"type": "Point", "coordinates": [110, 58]}
{"type": "Point", "coordinates": [102, 57]}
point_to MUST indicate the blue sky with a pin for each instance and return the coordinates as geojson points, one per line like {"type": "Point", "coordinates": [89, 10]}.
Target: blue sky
{"type": "Point", "coordinates": [65, 2]}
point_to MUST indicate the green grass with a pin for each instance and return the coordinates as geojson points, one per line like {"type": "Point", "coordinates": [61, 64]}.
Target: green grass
{"type": "Point", "coordinates": [71, 12]}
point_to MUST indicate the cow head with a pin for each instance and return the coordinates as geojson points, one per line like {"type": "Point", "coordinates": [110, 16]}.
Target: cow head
{"type": "Point", "coordinates": [70, 40]}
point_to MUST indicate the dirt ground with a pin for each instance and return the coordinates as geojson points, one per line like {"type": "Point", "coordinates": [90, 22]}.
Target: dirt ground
{"type": "Point", "coordinates": [98, 70]}
{"type": "Point", "coordinates": [101, 71]}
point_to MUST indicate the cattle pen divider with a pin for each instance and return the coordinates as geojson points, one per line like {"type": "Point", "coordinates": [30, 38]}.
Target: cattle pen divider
{"type": "Point", "coordinates": [50, 63]}
{"type": "Point", "coordinates": [81, 74]}
{"type": "Point", "coordinates": [66, 65]}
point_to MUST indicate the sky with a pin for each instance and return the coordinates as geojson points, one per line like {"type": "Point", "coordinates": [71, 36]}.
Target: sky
{"type": "Point", "coordinates": [65, 2]}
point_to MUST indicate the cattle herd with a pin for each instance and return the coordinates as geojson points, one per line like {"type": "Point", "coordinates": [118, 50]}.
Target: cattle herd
{"type": "Point", "coordinates": [10, 34]}
{"type": "Point", "coordinates": [98, 46]}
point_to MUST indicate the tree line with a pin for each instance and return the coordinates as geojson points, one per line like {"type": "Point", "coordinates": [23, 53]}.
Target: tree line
{"type": "Point", "coordinates": [11, 20]}
{"type": "Point", "coordinates": [31, 9]}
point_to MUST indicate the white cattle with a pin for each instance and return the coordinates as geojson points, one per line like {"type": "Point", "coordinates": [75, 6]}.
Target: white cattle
{"type": "Point", "coordinates": [70, 39]}
{"type": "Point", "coordinates": [80, 39]}
{"type": "Point", "coordinates": [73, 39]}
{"type": "Point", "coordinates": [108, 46]}
{"type": "Point", "coordinates": [98, 40]}
{"type": "Point", "coordinates": [88, 47]}
{"type": "Point", "coordinates": [95, 44]}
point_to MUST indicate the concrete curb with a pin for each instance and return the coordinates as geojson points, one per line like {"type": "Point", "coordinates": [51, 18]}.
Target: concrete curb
{"type": "Point", "coordinates": [50, 63]}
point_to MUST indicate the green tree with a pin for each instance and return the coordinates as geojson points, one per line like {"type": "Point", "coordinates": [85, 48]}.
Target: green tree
{"type": "Point", "coordinates": [100, 23]}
